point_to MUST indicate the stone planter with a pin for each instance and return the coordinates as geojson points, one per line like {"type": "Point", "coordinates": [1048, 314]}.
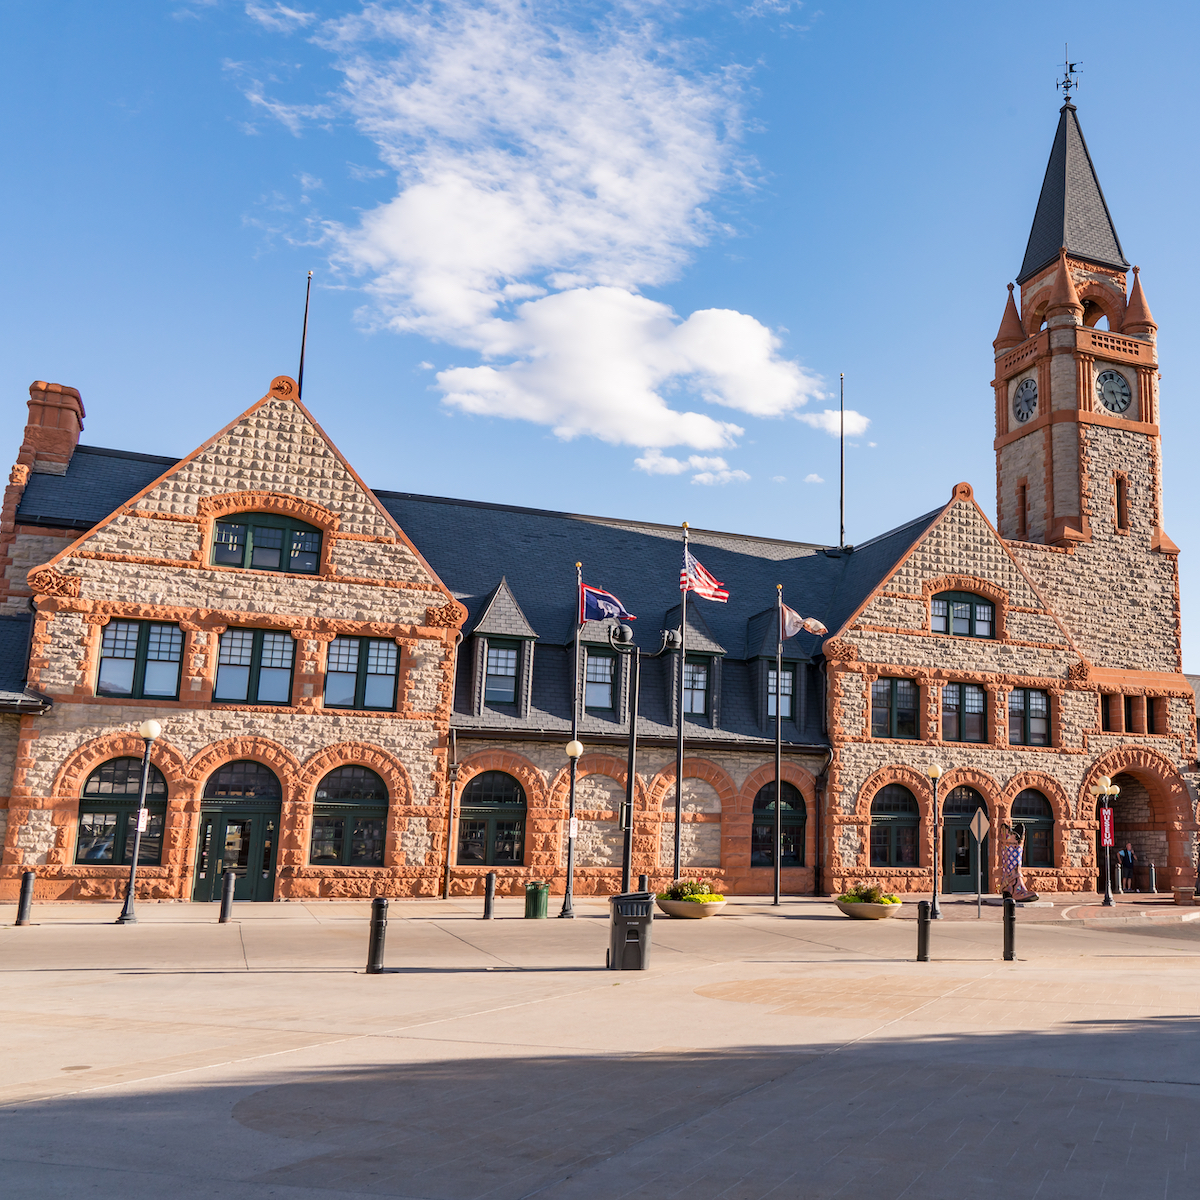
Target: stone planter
{"type": "Point", "coordinates": [868, 912]}
{"type": "Point", "coordinates": [1184, 895]}
{"type": "Point", "coordinates": [690, 909]}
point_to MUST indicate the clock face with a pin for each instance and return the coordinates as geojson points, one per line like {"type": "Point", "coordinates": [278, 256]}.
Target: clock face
{"type": "Point", "coordinates": [1025, 400]}
{"type": "Point", "coordinates": [1113, 391]}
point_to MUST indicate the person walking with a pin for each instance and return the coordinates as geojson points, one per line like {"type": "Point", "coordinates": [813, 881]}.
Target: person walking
{"type": "Point", "coordinates": [1127, 859]}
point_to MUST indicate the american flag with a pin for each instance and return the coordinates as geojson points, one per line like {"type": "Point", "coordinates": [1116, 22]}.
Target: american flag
{"type": "Point", "coordinates": [694, 578]}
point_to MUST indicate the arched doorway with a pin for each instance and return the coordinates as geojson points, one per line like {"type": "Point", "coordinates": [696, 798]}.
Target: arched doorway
{"type": "Point", "coordinates": [1137, 822]}
{"type": "Point", "coordinates": [239, 831]}
{"type": "Point", "coordinates": [792, 821]}
{"type": "Point", "coordinates": [960, 850]}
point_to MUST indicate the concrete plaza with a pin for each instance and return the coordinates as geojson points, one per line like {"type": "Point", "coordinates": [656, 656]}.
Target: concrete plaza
{"type": "Point", "coordinates": [783, 1052]}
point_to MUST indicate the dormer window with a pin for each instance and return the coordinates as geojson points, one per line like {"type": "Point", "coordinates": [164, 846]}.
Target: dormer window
{"type": "Point", "coordinates": [695, 687]}
{"type": "Point", "coordinates": [601, 675]}
{"type": "Point", "coordinates": [266, 542]}
{"type": "Point", "coordinates": [500, 683]}
{"type": "Point", "coordinates": [962, 615]}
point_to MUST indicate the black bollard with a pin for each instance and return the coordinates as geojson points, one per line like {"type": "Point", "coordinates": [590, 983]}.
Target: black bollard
{"type": "Point", "coordinates": [489, 896]}
{"type": "Point", "coordinates": [228, 883]}
{"type": "Point", "coordinates": [923, 930]}
{"type": "Point", "coordinates": [643, 883]}
{"type": "Point", "coordinates": [378, 931]}
{"type": "Point", "coordinates": [26, 901]}
{"type": "Point", "coordinates": [1010, 929]}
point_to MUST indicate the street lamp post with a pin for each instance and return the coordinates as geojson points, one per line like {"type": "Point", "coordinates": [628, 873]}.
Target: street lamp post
{"type": "Point", "coordinates": [935, 909]}
{"type": "Point", "coordinates": [574, 750]}
{"type": "Point", "coordinates": [621, 640]}
{"type": "Point", "coordinates": [148, 730]}
{"type": "Point", "coordinates": [1112, 792]}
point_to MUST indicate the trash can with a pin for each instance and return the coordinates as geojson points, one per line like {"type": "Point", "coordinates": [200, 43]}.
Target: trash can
{"type": "Point", "coordinates": [537, 898]}
{"type": "Point", "coordinates": [629, 939]}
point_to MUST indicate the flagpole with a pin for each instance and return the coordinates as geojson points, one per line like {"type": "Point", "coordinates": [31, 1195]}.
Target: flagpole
{"type": "Point", "coordinates": [679, 714]}
{"type": "Point", "coordinates": [842, 473]}
{"type": "Point", "coordinates": [778, 738]}
{"type": "Point", "coordinates": [573, 759]}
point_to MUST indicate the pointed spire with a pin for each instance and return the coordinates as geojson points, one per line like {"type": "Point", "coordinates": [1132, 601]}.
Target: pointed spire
{"type": "Point", "coordinates": [1064, 298]}
{"type": "Point", "coordinates": [1071, 210]}
{"type": "Point", "coordinates": [1137, 312]}
{"type": "Point", "coordinates": [1012, 332]}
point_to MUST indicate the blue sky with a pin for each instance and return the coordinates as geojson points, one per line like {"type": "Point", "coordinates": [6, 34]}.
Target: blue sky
{"type": "Point", "coordinates": [591, 257]}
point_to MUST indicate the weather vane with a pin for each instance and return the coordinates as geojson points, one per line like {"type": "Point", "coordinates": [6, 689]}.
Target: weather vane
{"type": "Point", "coordinates": [1070, 77]}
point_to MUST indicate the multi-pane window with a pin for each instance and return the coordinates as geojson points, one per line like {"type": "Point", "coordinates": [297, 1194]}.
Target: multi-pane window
{"type": "Point", "coordinates": [1032, 810]}
{"type": "Point", "coordinates": [963, 711]}
{"type": "Point", "coordinates": [349, 819]}
{"type": "Point", "coordinates": [1028, 717]}
{"type": "Point", "coordinates": [500, 683]}
{"type": "Point", "coordinates": [894, 708]}
{"type": "Point", "coordinates": [361, 673]}
{"type": "Point", "coordinates": [895, 823]}
{"type": "Point", "coordinates": [243, 779]}
{"type": "Point", "coordinates": [491, 828]}
{"type": "Point", "coordinates": [792, 818]}
{"type": "Point", "coordinates": [695, 687]}
{"type": "Point", "coordinates": [785, 692]}
{"type": "Point", "coordinates": [108, 814]}
{"type": "Point", "coordinates": [140, 659]}
{"type": "Point", "coordinates": [962, 615]}
{"type": "Point", "coordinates": [265, 542]}
{"type": "Point", "coordinates": [598, 684]}
{"type": "Point", "coordinates": [254, 666]}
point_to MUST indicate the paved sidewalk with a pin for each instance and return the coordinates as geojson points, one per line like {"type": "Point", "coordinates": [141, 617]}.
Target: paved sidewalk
{"type": "Point", "coordinates": [785, 1052]}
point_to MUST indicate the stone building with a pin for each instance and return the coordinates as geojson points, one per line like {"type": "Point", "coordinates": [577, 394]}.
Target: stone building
{"type": "Point", "coordinates": [320, 653]}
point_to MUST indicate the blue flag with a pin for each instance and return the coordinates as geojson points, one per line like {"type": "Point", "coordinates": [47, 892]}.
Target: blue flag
{"type": "Point", "coordinates": [598, 605]}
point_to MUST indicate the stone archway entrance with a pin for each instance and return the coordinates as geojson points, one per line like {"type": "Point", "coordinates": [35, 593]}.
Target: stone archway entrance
{"type": "Point", "coordinates": [1137, 822]}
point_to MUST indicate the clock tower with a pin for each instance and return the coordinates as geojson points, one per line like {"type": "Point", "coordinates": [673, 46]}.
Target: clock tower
{"type": "Point", "coordinates": [1078, 461]}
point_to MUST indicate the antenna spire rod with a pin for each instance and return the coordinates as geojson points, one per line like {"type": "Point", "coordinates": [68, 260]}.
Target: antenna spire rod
{"type": "Point", "coordinates": [303, 339]}
{"type": "Point", "coordinates": [1070, 77]}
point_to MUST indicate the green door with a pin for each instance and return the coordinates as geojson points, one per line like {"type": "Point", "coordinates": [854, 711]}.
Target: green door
{"type": "Point", "coordinates": [242, 842]}
{"type": "Point", "coordinates": [960, 856]}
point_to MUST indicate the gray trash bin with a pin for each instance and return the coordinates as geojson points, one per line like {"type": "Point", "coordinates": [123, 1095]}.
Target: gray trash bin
{"type": "Point", "coordinates": [629, 941]}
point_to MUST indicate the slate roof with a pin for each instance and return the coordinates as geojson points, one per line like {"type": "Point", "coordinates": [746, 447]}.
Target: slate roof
{"type": "Point", "coordinates": [14, 658]}
{"type": "Point", "coordinates": [475, 546]}
{"type": "Point", "coordinates": [1071, 209]}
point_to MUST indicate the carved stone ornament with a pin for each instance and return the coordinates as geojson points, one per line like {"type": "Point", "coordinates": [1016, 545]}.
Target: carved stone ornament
{"type": "Point", "coordinates": [839, 651]}
{"type": "Point", "coordinates": [46, 581]}
{"type": "Point", "coordinates": [1080, 670]}
{"type": "Point", "coordinates": [284, 386]}
{"type": "Point", "coordinates": [19, 475]}
{"type": "Point", "coordinates": [449, 616]}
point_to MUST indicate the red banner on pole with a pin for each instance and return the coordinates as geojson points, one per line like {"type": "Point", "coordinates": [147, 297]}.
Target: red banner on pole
{"type": "Point", "coordinates": [1106, 827]}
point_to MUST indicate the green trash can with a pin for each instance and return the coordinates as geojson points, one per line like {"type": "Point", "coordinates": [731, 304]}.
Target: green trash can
{"type": "Point", "coordinates": [537, 898]}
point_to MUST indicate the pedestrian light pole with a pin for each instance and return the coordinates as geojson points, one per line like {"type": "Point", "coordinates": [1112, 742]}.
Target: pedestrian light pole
{"type": "Point", "coordinates": [148, 730]}
{"type": "Point", "coordinates": [935, 909]}
{"type": "Point", "coordinates": [621, 640]}
{"type": "Point", "coordinates": [574, 751]}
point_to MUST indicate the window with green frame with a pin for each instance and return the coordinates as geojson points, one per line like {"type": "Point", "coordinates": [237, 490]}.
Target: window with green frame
{"type": "Point", "coordinates": [491, 825]}
{"type": "Point", "coordinates": [361, 673]}
{"type": "Point", "coordinates": [140, 660]}
{"type": "Point", "coordinates": [1032, 810]}
{"type": "Point", "coordinates": [1028, 717]}
{"type": "Point", "coordinates": [894, 708]}
{"type": "Point", "coordinates": [254, 666]}
{"type": "Point", "coordinates": [895, 827]}
{"type": "Point", "coordinates": [792, 820]}
{"type": "Point", "coordinates": [349, 819]}
{"type": "Point", "coordinates": [266, 542]}
{"type": "Point", "coordinates": [962, 615]}
{"type": "Point", "coordinates": [500, 672]}
{"type": "Point", "coordinates": [964, 713]}
{"type": "Point", "coordinates": [108, 814]}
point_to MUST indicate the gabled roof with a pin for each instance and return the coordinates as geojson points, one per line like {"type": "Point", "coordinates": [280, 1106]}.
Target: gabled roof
{"type": "Point", "coordinates": [501, 616]}
{"type": "Point", "coordinates": [1071, 210]}
{"type": "Point", "coordinates": [14, 656]}
{"type": "Point", "coordinates": [698, 636]}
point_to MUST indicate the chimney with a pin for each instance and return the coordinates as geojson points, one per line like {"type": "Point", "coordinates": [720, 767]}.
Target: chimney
{"type": "Point", "coordinates": [52, 433]}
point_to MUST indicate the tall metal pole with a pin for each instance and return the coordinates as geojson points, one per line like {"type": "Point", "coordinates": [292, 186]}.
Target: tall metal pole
{"type": "Point", "coordinates": [679, 706]}
{"type": "Point", "coordinates": [1109, 902]}
{"type": "Point", "coordinates": [635, 662]}
{"type": "Point", "coordinates": [842, 483]}
{"type": "Point", "coordinates": [303, 339]}
{"type": "Point", "coordinates": [569, 892]}
{"type": "Point", "coordinates": [128, 916]}
{"type": "Point", "coordinates": [935, 910]}
{"type": "Point", "coordinates": [452, 776]}
{"type": "Point", "coordinates": [778, 739]}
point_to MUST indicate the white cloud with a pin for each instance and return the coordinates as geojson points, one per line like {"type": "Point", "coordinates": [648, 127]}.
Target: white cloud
{"type": "Point", "coordinates": [779, 479]}
{"type": "Point", "coordinates": [711, 469]}
{"type": "Point", "coordinates": [721, 477]}
{"type": "Point", "coordinates": [545, 175]}
{"type": "Point", "coordinates": [814, 478]}
{"type": "Point", "coordinates": [830, 422]}
{"type": "Point", "coordinates": [280, 18]}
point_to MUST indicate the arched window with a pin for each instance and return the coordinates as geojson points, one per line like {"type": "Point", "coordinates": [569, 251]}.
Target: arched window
{"type": "Point", "coordinates": [349, 819]}
{"type": "Point", "coordinates": [1033, 810]}
{"type": "Point", "coordinates": [793, 816]}
{"type": "Point", "coordinates": [108, 814]}
{"type": "Point", "coordinates": [491, 826]}
{"type": "Point", "coordinates": [266, 542]}
{"type": "Point", "coordinates": [243, 780]}
{"type": "Point", "coordinates": [895, 822]}
{"type": "Point", "coordinates": [962, 802]}
{"type": "Point", "coordinates": [962, 615]}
